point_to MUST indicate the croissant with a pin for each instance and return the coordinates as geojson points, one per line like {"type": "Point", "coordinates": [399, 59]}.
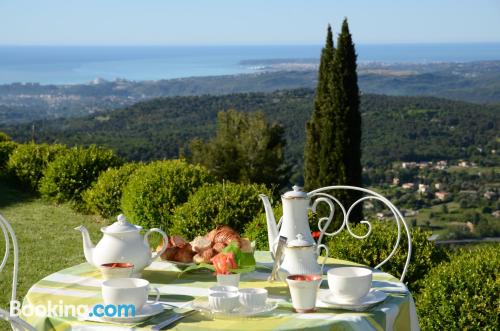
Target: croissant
{"type": "Point", "coordinates": [184, 254]}
{"type": "Point", "coordinates": [211, 235]}
{"type": "Point", "coordinates": [208, 254]}
{"type": "Point", "coordinates": [177, 241]}
{"type": "Point", "coordinates": [169, 253]}
{"type": "Point", "coordinates": [200, 244]}
{"type": "Point", "coordinates": [225, 235]}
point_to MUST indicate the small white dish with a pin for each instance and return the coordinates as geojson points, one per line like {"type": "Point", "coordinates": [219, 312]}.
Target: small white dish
{"type": "Point", "coordinates": [223, 288]}
{"type": "Point", "coordinates": [330, 301]}
{"type": "Point", "coordinates": [147, 311]}
{"type": "Point", "coordinates": [223, 301]}
{"type": "Point", "coordinates": [253, 298]}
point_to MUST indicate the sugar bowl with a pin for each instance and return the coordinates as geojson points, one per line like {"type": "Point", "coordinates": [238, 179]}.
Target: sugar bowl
{"type": "Point", "coordinates": [301, 258]}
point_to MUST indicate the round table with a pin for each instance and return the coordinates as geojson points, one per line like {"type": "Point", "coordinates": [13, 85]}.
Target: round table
{"type": "Point", "coordinates": [80, 285]}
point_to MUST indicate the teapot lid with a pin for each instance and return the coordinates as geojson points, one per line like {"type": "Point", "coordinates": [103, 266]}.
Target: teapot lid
{"type": "Point", "coordinates": [297, 193]}
{"type": "Point", "coordinates": [120, 226]}
{"type": "Point", "coordinates": [299, 242]}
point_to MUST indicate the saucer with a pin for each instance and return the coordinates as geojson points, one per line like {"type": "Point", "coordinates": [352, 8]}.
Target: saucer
{"type": "Point", "coordinates": [147, 311]}
{"type": "Point", "coordinates": [327, 300]}
{"type": "Point", "coordinates": [203, 306]}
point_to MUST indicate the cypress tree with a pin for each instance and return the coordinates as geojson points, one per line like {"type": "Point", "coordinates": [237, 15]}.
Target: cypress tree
{"type": "Point", "coordinates": [348, 119]}
{"type": "Point", "coordinates": [333, 145]}
{"type": "Point", "coordinates": [323, 104]}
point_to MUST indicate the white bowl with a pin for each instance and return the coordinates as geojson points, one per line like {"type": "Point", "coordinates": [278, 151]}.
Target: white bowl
{"type": "Point", "coordinates": [223, 288]}
{"type": "Point", "coordinates": [223, 301]}
{"type": "Point", "coordinates": [349, 283]}
{"type": "Point", "coordinates": [253, 297]}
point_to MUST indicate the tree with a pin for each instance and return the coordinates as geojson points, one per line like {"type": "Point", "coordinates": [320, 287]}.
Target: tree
{"type": "Point", "coordinates": [333, 148]}
{"type": "Point", "coordinates": [246, 149]}
{"type": "Point", "coordinates": [323, 104]}
{"type": "Point", "coordinates": [348, 133]}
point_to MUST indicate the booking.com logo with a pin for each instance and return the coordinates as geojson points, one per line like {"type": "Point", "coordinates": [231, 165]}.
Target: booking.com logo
{"type": "Point", "coordinates": [65, 310]}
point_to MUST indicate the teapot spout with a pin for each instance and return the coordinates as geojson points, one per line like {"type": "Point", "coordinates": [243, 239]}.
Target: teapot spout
{"type": "Point", "coordinates": [272, 228]}
{"type": "Point", "coordinates": [88, 246]}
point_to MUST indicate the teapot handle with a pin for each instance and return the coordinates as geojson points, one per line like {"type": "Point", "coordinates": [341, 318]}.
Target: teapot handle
{"type": "Point", "coordinates": [318, 250]}
{"type": "Point", "coordinates": [165, 241]}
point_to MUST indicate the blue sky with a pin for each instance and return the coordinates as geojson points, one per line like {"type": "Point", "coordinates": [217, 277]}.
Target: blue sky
{"type": "Point", "coordinates": [219, 22]}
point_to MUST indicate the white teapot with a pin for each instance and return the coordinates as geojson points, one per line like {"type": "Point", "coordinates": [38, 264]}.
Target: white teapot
{"type": "Point", "coordinates": [300, 258]}
{"type": "Point", "coordinates": [121, 242]}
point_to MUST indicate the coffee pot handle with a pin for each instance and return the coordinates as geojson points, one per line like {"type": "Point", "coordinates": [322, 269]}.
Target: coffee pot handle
{"type": "Point", "coordinates": [318, 250]}
{"type": "Point", "coordinates": [164, 238]}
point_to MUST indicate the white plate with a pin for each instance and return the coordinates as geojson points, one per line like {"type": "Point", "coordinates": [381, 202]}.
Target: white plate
{"type": "Point", "coordinates": [203, 306]}
{"type": "Point", "coordinates": [328, 300]}
{"type": "Point", "coordinates": [147, 311]}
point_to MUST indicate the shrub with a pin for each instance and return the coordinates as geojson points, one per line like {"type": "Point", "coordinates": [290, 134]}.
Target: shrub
{"type": "Point", "coordinates": [374, 249]}
{"type": "Point", "coordinates": [4, 137]}
{"type": "Point", "coordinates": [105, 195]}
{"type": "Point", "coordinates": [464, 293]}
{"type": "Point", "coordinates": [6, 149]}
{"type": "Point", "coordinates": [218, 204]}
{"type": "Point", "coordinates": [28, 161]}
{"type": "Point", "coordinates": [153, 191]}
{"type": "Point", "coordinates": [73, 172]}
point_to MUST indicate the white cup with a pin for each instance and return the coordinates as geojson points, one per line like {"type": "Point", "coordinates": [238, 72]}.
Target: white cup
{"type": "Point", "coordinates": [349, 283]}
{"type": "Point", "coordinates": [303, 289]}
{"type": "Point", "coordinates": [253, 297]}
{"type": "Point", "coordinates": [223, 301]}
{"type": "Point", "coordinates": [127, 291]}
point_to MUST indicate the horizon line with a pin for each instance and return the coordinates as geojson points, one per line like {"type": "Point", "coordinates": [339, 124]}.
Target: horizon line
{"type": "Point", "coordinates": [248, 45]}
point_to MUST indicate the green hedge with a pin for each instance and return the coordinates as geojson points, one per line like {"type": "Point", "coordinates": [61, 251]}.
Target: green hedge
{"type": "Point", "coordinates": [6, 149]}
{"type": "Point", "coordinates": [28, 161]}
{"type": "Point", "coordinates": [104, 197]}
{"type": "Point", "coordinates": [4, 137]}
{"type": "Point", "coordinates": [463, 294]}
{"type": "Point", "coordinates": [71, 173]}
{"type": "Point", "coordinates": [375, 248]}
{"type": "Point", "coordinates": [218, 204]}
{"type": "Point", "coordinates": [153, 191]}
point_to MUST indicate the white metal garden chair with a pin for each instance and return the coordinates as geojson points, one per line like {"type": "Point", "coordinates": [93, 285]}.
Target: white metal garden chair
{"type": "Point", "coordinates": [321, 195]}
{"type": "Point", "coordinates": [10, 237]}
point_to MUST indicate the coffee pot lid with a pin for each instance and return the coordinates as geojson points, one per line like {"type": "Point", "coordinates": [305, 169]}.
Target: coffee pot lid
{"type": "Point", "coordinates": [299, 242]}
{"type": "Point", "coordinates": [297, 193]}
{"type": "Point", "coordinates": [120, 226]}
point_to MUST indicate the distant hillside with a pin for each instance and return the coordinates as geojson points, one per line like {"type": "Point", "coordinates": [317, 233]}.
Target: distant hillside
{"type": "Point", "coordinates": [473, 82]}
{"type": "Point", "coordinates": [394, 128]}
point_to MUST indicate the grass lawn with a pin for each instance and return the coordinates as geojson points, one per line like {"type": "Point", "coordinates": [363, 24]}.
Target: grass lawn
{"type": "Point", "coordinates": [46, 236]}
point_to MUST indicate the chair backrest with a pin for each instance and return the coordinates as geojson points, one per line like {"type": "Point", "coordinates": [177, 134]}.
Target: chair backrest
{"type": "Point", "coordinates": [10, 237]}
{"type": "Point", "coordinates": [321, 195]}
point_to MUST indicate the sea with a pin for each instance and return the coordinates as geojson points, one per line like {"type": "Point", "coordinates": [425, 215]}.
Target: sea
{"type": "Point", "coordinates": [82, 64]}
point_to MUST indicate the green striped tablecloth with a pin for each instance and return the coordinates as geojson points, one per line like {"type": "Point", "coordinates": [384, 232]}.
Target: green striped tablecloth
{"type": "Point", "coordinates": [80, 285]}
